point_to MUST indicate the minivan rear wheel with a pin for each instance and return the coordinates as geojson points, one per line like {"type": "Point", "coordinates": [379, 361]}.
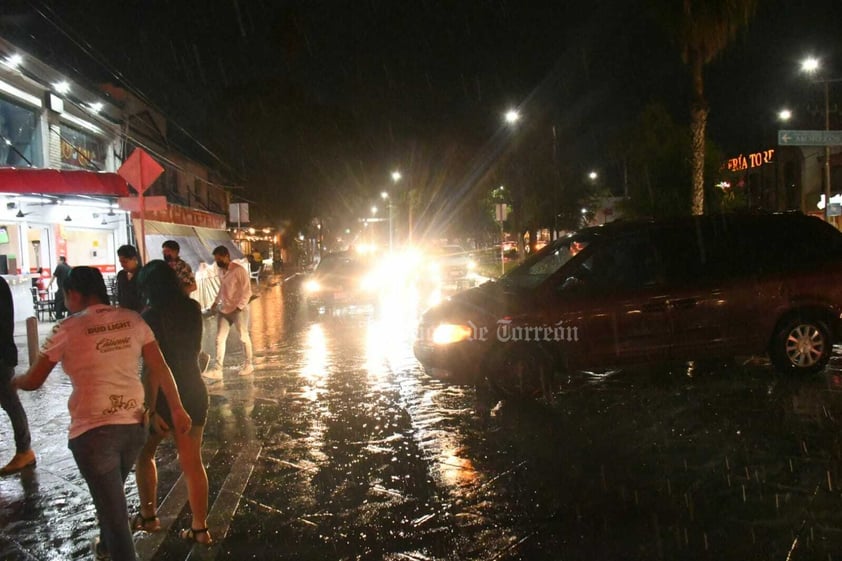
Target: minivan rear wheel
{"type": "Point", "coordinates": [801, 345]}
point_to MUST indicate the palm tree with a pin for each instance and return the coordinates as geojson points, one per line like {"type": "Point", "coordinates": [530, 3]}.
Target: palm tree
{"type": "Point", "coordinates": [702, 29]}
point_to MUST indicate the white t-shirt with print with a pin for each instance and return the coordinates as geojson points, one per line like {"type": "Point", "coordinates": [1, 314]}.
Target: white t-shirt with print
{"type": "Point", "coordinates": [100, 350]}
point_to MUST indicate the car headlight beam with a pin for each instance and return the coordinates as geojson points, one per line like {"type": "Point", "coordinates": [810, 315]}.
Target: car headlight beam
{"type": "Point", "coordinates": [448, 333]}
{"type": "Point", "coordinates": [312, 286]}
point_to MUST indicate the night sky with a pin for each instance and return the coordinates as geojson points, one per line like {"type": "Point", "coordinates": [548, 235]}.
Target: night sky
{"type": "Point", "coordinates": [317, 101]}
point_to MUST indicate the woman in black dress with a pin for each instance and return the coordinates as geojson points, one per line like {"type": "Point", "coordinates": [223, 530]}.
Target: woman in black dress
{"type": "Point", "coordinates": [176, 321]}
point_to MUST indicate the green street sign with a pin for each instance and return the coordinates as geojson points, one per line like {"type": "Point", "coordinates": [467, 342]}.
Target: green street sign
{"type": "Point", "coordinates": [809, 138]}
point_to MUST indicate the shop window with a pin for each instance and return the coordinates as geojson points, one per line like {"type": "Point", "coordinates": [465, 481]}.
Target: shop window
{"type": "Point", "coordinates": [20, 143]}
{"type": "Point", "coordinates": [81, 150]}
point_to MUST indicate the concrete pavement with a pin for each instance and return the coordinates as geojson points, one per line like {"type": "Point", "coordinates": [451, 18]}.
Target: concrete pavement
{"type": "Point", "coordinates": [46, 511]}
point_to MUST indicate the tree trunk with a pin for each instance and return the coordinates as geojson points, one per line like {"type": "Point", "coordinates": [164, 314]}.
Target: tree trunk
{"type": "Point", "coordinates": [698, 125]}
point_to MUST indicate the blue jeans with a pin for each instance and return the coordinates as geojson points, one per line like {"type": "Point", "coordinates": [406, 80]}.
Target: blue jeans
{"type": "Point", "coordinates": [10, 402]}
{"type": "Point", "coordinates": [105, 456]}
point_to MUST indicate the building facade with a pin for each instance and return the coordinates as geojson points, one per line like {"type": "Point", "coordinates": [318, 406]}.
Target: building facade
{"type": "Point", "coordinates": [61, 144]}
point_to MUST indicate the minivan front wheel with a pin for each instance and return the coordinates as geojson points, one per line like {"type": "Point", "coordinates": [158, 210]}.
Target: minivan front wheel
{"type": "Point", "coordinates": [801, 345]}
{"type": "Point", "coordinates": [521, 371]}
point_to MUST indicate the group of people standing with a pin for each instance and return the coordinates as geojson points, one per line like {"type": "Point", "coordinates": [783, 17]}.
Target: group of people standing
{"type": "Point", "coordinates": [117, 418]}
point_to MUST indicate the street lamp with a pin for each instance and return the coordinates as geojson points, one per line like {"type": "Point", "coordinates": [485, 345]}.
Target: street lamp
{"type": "Point", "coordinates": [811, 66]}
{"type": "Point", "coordinates": [784, 114]}
{"type": "Point", "coordinates": [593, 175]}
{"type": "Point", "coordinates": [512, 116]}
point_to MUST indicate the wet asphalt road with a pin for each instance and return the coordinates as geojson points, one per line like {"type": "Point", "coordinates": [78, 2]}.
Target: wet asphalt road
{"type": "Point", "coordinates": [339, 447]}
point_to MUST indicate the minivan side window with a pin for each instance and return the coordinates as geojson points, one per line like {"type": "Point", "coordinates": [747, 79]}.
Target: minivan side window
{"type": "Point", "coordinates": [700, 250]}
{"type": "Point", "coordinates": [790, 243]}
{"type": "Point", "coordinates": [623, 264]}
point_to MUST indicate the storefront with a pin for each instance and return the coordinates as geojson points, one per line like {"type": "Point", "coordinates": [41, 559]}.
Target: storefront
{"type": "Point", "coordinates": [45, 214]}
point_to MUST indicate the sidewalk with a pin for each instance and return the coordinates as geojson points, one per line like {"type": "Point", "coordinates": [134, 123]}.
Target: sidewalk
{"type": "Point", "coordinates": [47, 513]}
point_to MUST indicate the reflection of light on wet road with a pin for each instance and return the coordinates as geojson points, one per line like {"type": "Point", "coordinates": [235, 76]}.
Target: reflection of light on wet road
{"type": "Point", "coordinates": [314, 368]}
{"type": "Point", "coordinates": [454, 469]}
{"type": "Point", "coordinates": [388, 345]}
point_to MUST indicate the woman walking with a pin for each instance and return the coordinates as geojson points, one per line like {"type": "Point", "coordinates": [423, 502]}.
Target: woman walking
{"type": "Point", "coordinates": [176, 321]}
{"type": "Point", "coordinates": [100, 349]}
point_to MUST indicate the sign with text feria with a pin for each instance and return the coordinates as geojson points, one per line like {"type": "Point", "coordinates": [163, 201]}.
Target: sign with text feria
{"type": "Point", "coordinates": [743, 162]}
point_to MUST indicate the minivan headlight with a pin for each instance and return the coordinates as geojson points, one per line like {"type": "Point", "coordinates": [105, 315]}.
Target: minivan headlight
{"type": "Point", "coordinates": [448, 333]}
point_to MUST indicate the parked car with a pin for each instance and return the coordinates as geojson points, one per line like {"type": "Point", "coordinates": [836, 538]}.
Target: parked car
{"type": "Point", "coordinates": [342, 279]}
{"type": "Point", "coordinates": [646, 292]}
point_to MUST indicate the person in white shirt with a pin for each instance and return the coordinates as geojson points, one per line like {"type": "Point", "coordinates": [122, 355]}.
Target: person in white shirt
{"type": "Point", "coordinates": [100, 348]}
{"type": "Point", "coordinates": [231, 307]}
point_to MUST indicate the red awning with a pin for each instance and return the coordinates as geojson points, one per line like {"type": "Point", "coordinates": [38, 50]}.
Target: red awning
{"type": "Point", "coordinates": [62, 182]}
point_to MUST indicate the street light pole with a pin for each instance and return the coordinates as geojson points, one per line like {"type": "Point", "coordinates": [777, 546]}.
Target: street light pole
{"type": "Point", "coordinates": [397, 176]}
{"type": "Point", "coordinates": [811, 65]}
{"type": "Point", "coordinates": [385, 196]}
{"type": "Point", "coordinates": [826, 151]}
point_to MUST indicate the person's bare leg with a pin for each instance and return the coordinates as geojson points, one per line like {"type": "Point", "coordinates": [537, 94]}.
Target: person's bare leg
{"type": "Point", "coordinates": [190, 456]}
{"type": "Point", "coordinates": [146, 475]}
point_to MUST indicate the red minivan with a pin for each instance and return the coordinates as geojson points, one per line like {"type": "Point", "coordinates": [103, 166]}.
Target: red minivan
{"type": "Point", "coordinates": [652, 291]}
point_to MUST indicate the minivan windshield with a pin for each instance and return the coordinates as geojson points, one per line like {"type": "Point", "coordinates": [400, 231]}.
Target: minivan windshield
{"type": "Point", "coordinates": [546, 262]}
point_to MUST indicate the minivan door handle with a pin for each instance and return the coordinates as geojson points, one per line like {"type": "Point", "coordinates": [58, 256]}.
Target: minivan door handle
{"type": "Point", "coordinates": [683, 303]}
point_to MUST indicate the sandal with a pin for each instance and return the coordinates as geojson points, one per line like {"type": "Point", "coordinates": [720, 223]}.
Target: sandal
{"type": "Point", "coordinates": [145, 524]}
{"type": "Point", "coordinates": [191, 534]}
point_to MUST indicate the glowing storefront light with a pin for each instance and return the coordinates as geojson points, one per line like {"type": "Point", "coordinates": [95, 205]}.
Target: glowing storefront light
{"type": "Point", "coordinates": [81, 123]}
{"type": "Point", "coordinates": [19, 94]}
{"type": "Point", "coordinates": [62, 87]}
{"type": "Point", "coordinates": [13, 61]}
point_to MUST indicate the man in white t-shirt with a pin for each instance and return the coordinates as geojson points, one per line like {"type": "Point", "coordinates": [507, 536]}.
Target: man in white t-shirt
{"type": "Point", "coordinates": [231, 307]}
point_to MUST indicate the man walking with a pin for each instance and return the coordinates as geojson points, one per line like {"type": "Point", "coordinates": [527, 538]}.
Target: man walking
{"type": "Point", "coordinates": [24, 456]}
{"type": "Point", "coordinates": [171, 249]}
{"type": "Point", "coordinates": [60, 275]}
{"type": "Point", "coordinates": [231, 307]}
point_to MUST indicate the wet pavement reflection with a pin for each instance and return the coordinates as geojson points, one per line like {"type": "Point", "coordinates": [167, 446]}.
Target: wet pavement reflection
{"type": "Point", "coordinates": [339, 447]}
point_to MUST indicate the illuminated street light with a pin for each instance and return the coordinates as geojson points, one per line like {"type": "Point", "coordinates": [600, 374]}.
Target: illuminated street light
{"type": "Point", "coordinates": [512, 116]}
{"type": "Point", "coordinates": [593, 175]}
{"type": "Point", "coordinates": [396, 176]}
{"type": "Point", "coordinates": [784, 114]}
{"type": "Point", "coordinates": [811, 66]}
